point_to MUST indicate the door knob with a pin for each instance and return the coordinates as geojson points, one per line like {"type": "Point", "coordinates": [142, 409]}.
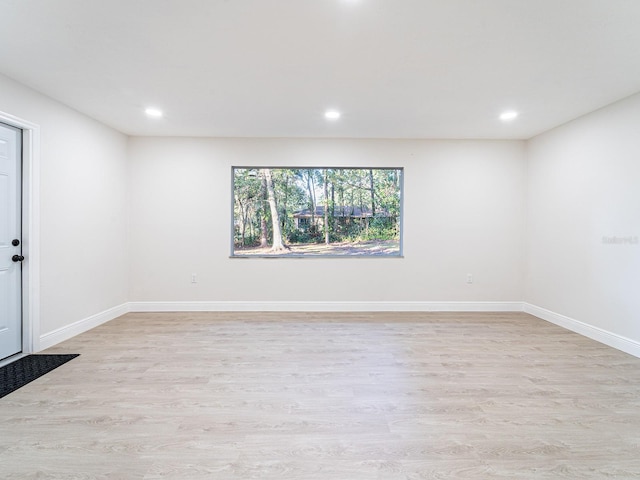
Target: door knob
{"type": "Point", "coordinates": [17, 258]}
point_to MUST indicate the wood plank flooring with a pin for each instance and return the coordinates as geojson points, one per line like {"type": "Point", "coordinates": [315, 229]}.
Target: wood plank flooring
{"type": "Point", "coordinates": [388, 396]}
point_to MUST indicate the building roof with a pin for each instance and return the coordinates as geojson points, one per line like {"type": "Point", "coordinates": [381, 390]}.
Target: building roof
{"type": "Point", "coordinates": [345, 211]}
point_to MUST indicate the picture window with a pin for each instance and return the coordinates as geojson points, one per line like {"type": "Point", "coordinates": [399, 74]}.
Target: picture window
{"type": "Point", "coordinates": [311, 212]}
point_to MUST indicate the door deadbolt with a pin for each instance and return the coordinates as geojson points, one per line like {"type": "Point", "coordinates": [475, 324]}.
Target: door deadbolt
{"type": "Point", "coordinates": [15, 242]}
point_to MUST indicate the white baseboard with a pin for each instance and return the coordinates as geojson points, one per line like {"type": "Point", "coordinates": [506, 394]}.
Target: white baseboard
{"type": "Point", "coordinates": [52, 338]}
{"type": "Point", "coordinates": [65, 333]}
{"type": "Point", "coordinates": [619, 342]}
{"type": "Point", "coordinates": [614, 340]}
{"type": "Point", "coordinates": [325, 306]}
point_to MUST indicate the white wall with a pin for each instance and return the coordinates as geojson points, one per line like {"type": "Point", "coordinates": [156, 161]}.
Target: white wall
{"type": "Point", "coordinates": [583, 185]}
{"type": "Point", "coordinates": [464, 213]}
{"type": "Point", "coordinates": [83, 208]}
{"type": "Point", "coordinates": [131, 219]}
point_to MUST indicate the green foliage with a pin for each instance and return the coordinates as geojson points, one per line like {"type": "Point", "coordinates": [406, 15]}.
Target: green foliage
{"type": "Point", "coordinates": [379, 228]}
{"type": "Point", "coordinates": [299, 236]}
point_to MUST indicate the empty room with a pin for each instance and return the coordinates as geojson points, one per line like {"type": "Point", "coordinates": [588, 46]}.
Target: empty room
{"type": "Point", "coordinates": [319, 239]}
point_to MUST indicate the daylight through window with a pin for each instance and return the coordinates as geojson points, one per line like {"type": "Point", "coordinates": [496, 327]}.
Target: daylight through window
{"type": "Point", "coordinates": [299, 212]}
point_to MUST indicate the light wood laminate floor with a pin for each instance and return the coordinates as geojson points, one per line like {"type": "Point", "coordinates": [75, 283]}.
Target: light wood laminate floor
{"type": "Point", "coordinates": [389, 396]}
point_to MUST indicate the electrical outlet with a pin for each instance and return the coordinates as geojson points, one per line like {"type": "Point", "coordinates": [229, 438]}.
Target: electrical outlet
{"type": "Point", "coordinates": [194, 278]}
{"type": "Point", "coordinates": [469, 278]}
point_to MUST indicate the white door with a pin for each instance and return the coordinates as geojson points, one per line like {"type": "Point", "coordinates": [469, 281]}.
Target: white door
{"type": "Point", "coordinates": [10, 241]}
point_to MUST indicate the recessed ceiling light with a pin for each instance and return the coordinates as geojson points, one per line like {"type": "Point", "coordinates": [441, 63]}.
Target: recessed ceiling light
{"type": "Point", "coordinates": [508, 116]}
{"type": "Point", "coordinates": [332, 114]}
{"type": "Point", "coordinates": [153, 112]}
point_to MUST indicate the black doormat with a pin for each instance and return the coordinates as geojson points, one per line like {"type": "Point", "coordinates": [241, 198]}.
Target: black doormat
{"type": "Point", "coordinates": [27, 369]}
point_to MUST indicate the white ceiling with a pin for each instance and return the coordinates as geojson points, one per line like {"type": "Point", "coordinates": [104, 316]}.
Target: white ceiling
{"type": "Point", "coordinates": [270, 68]}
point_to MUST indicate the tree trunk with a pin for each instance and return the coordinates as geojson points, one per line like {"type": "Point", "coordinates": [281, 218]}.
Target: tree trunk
{"type": "Point", "coordinates": [373, 197]}
{"type": "Point", "coordinates": [341, 194]}
{"type": "Point", "coordinates": [285, 228]}
{"type": "Point", "coordinates": [334, 223]}
{"type": "Point", "coordinates": [243, 213]}
{"type": "Point", "coordinates": [277, 245]}
{"type": "Point", "coordinates": [326, 208]}
{"type": "Point", "coordinates": [263, 232]}
{"type": "Point", "coordinates": [263, 217]}
{"type": "Point", "coordinates": [312, 197]}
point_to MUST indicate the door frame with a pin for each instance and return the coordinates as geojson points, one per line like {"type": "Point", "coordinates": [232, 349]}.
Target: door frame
{"type": "Point", "coordinates": [30, 230]}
